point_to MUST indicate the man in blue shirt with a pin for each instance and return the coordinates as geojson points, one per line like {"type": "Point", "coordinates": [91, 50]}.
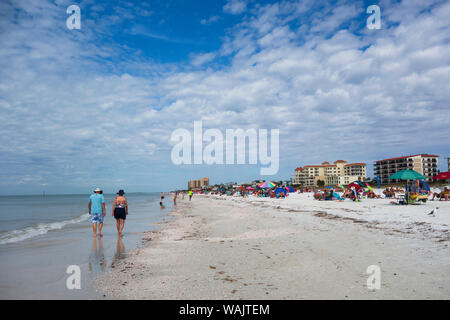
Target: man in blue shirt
{"type": "Point", "coordinates": [97, 211]}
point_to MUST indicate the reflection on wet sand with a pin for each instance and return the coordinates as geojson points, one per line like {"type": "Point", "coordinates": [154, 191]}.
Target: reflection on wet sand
{"type": "Point", "coordinates": [97, 261]}
{"type": "Point", "coordinates": [120, 251]}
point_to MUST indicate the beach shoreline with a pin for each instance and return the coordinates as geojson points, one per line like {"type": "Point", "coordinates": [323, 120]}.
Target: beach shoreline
{"type": "Point", "coordinates": [42, 237]}
{"type": "Point", "coordinates": [235, 248]}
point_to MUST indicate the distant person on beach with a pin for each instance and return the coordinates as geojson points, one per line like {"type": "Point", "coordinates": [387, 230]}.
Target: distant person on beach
{"type": "Point", "coordinates": [97, 211]}
{"type": "Point", "coordinates": [175, 198]}
{"type": "Point", "coordinates": [443, 194]}
{"type": "Point", "coordinates": [415, 187]}
{"type": "Point", "coordinates": [182, 195]}
{"type": "Point", "coordinates": [120, 211]}
{"type": "Point", "coordinates": [190, 195]}
{"type": "Point", "coordinates": [162, 196]}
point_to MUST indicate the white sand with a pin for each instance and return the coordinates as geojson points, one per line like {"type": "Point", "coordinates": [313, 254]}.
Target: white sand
{"type": "Point", "coordinates": [294, 248]}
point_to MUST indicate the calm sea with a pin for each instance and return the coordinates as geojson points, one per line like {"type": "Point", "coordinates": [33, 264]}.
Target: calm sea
{"type": "Point", "coordinates": [41, 236]}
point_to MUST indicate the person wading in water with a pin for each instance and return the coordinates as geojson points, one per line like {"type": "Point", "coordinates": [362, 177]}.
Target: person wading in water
{"type": "Point", "coordinates": [120, 211]}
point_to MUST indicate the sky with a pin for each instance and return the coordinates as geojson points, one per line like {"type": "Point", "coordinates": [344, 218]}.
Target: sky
{"type": "Point", "coordinates": [97, 106]}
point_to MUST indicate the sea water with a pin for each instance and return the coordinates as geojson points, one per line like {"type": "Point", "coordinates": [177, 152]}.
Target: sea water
{"type": "Point", "coordinates": [40, 236]}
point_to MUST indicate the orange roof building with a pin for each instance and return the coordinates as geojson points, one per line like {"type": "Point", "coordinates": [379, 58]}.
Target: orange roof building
{"type": "Point", "coordinates": [340, 172]}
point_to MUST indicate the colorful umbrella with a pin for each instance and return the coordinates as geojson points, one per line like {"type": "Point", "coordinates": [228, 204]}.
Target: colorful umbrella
{"type": "Point", "coordinates": [407, 174]}
{"type": "Point", "coordinates": [442, 176]}
{"type": "Point", "coordinates": [267, 184]}
{"type": "Point", "coordinates": [249, 188]}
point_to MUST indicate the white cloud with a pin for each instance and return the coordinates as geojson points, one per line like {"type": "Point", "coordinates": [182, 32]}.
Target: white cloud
{"type": "Point", "coordinates": [210, 20]}
{"type": "Point", "coordinates": [235, 6]}
{"type": "Point", "coordinates": [199, 59]}
{"type": "Point", "coordinates": [332, 93]}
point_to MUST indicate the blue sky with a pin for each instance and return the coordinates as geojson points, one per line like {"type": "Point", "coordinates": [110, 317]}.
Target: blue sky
{"type": "Point", "coordinates": [96, 106]}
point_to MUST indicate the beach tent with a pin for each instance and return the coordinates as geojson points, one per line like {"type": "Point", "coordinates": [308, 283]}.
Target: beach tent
{"type": "Point", "coordinates": [359, 183]}
{"type": "Point", "coordinates": [290, 189]}
{"type": "Point", "coordinates": [278, 190]}
{"type": "Point", "coordinates": [426, 186]}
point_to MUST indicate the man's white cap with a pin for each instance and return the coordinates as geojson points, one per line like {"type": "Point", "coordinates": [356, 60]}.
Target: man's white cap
{"type": "Point", "coordinates": [97, 190]}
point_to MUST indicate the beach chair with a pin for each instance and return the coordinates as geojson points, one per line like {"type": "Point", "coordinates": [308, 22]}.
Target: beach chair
{"type": "Point", "coordinates": [412, 199]}
{"type": "Point", "coordinates": [417, 199]}
{"type": "Point", "coordinates": [401, 200]}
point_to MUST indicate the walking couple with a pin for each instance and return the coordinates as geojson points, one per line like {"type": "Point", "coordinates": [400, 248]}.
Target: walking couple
{"type": "Point", "coordinates": [97, 210]}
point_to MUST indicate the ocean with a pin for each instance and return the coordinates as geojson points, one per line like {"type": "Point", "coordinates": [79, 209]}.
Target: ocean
{"type": "Point", "coordinates": [40, 237]}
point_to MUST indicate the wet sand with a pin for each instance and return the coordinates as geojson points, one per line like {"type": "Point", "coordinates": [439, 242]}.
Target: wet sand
{"type": "Point", "coordinates": [220, 248]}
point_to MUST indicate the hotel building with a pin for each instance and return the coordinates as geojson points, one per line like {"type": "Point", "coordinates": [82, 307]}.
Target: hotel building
{"type": "Point", "coordinates": [425, 164]}
{"type": "Point", "coordinates": [340, 172]}
{"type": "Point", "coordinates": [198, 184]}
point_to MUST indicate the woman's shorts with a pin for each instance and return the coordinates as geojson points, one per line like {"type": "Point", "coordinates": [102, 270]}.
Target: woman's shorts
{"type": "Point", "coordinates": [120, 213]}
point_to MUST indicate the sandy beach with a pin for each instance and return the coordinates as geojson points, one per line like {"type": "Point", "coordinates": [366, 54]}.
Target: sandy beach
{"type": "Point", "coordinates": [235, 248]}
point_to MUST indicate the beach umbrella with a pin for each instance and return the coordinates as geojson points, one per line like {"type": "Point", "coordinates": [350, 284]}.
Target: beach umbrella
{"type": "Point", "coordinates": [407, 174]}
{"type": "Point", "coordinates": [249, 188]}
{"type": "Point", "coordinates": [442, 176]}
{"type": "Point", "coordinates": [354, 185]}
{"type": "Point", "coordinates": [267, 184]}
